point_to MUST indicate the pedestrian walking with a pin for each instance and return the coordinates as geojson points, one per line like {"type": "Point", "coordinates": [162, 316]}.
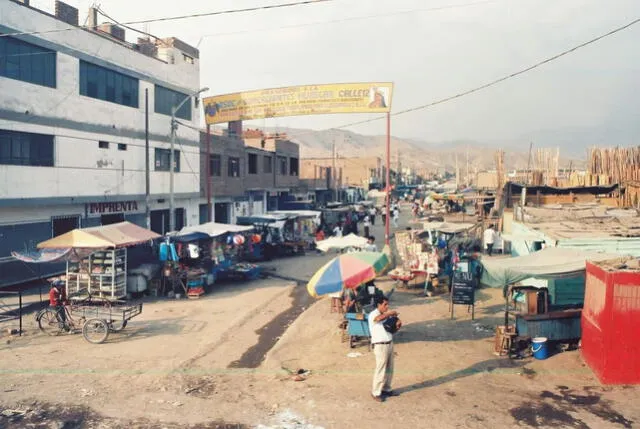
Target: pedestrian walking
{"type": "Point", "coordinates": [383, 212]}
{"type": "Point", "coordinates": [383, 323]}
{"type": "Point", "coordinates": [366, 223]}
{"type": "Point", "coordinates": [396, 216]}
{"type": "Point", "coordinates": [372, 215]}
{"type": "Point", "coordinates": [489, 239]}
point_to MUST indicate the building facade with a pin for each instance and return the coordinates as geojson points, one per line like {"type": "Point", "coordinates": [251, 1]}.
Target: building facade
{"type": "Point", "coordinates": [366, 172]}
{"type": "Point", "coordinates": [247, 175]}
{"type": "Point", "coordinates": [72, 127]}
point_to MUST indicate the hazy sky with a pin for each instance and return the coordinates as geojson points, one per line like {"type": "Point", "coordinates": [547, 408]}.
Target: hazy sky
{"type": "Point", "coordinates": [429, 53]}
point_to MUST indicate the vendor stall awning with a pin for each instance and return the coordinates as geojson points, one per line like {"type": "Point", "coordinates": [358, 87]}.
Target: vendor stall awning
{"type": "Point", "coordinates": [214, 229]}
{"type": "Point", "coordinates": [117, 235]}
{"type": "Point", "coordinates": [548, 263]}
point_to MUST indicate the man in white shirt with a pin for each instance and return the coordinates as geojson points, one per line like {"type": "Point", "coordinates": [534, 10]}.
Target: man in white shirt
{"type": "Point", "coordinates": [372, 214]}
{"type": "Point", "coordinates": [382, 342]}
{"type": "Point", "coordinates": [489, 239]}
{"type": "Point", "coordinates": [337, 231]}
{"type": "Point", "coordinates": [366, 223]}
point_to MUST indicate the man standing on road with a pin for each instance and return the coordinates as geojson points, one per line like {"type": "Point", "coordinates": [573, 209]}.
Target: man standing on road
{"type": "Point", "coordinates": [382, 341]}
{"type": "Point", "coordinates": [489, 239]}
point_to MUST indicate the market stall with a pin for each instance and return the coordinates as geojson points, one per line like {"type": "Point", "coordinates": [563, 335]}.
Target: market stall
{"type": "Point", "coordinates": [530, 311]}
{"type": "Point", "coordinates": [305, 224]}
{"type": "Point", "coordinates": [229, 246]}
{"type": "Point", "coordinates": [278, 232]}
{"type": "Point", "coordinates": [418, 259]}
{"type": "Point", "coordinates": [187, 263]}
{"type": "Point", "coordinates": [100, 268]}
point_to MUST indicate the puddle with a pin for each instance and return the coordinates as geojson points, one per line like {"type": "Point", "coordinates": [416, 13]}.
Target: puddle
{"type": "Point", "coordinates": [270, 333]}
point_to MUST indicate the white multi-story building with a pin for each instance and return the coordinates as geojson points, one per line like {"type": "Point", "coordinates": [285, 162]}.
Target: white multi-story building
{"type": "Point", "coordinates": [72, 127]}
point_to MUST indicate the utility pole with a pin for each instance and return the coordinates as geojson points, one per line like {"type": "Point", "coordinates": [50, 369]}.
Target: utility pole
{"type": "Point", "coordinates": [466, 180]}
{"type": "Point", "coordinates": [457, 173]}
{"type": "Point", "coordinates": [387, 225]}
{"type": "Point", "coordinates": [147, 193]}
{"type": "Point", "coordinates": [529, 162]}
{"type": "Point", "coordinates": [335, 173]}
{"type": "Point", "coordinates": [174, 128]}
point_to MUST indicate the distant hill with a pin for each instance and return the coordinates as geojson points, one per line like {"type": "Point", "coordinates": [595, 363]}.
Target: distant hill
{"type": "Point", "coordinates": [413, 153]}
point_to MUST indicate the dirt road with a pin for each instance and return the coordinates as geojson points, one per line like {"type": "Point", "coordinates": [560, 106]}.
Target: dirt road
{"type": "Point", "coordinates": [200, 364]}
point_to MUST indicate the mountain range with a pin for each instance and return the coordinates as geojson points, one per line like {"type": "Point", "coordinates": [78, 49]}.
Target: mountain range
{"type": "Point", "coordinates": [418, 154]}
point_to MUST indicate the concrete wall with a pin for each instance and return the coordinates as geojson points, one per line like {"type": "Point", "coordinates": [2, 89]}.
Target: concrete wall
{"type": "Point", "coordinates": [79, 122]}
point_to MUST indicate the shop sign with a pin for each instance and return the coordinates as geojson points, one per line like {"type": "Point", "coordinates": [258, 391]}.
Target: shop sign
{"type": "Point", "coordinates": [115, 207]}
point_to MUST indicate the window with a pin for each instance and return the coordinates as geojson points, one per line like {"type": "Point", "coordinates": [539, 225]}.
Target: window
{"type": "Point", "coordinates": [253, 163]}
{"type": "Point", "coordinates": [63, 224]}
{"type": "Point", "coordinates": [103, 145]}
{"type": "Point", "coordinates": [104, 84]}
{"type": "Point", "coordinates": [268, 164]}
{"type": "Point", "coordinates": [165, 99]}
{"type": "Point", "coordinates": [162, 160]}
{"type": "Point", "coordinates": [26, 62]}
{"type": "Point", "coordinates": [293, 166]}
{"type": "Point", "coordinates": [17, 148]}
{"type": "Point", "coordinates": [233, 167]}
{"type": "Point", "coordinates": [122, 146]}
{"type": "Point", "coordinates": [215, 166]}
{"type": "Point", "coordinates": [282, 162]}
{"type": "Point", "coordinates": [187, 59]}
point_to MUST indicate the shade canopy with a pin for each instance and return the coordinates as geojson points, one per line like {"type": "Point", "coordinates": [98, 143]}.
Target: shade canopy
{"type": "Point", "coordinates": [123, 234]}
{"type": "Point", "coordinates": [339, 243]}
{"type": "Point", "coordinates": [214, 229]}
{"type": "Point", "coordinates": [347, 271]}
{"type": "Point", "coordinates": [548, 263]}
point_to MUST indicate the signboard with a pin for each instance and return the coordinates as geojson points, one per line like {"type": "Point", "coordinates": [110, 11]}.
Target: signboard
{"type": "Point", "coordinates": [364, 97]}
{"type": "Point", "coordinates": [463, 290]}
{"type": "Point", "coordinates": [116, 207]}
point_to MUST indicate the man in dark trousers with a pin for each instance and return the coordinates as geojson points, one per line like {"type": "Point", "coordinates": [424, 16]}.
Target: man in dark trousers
{"type": "Point", "coordinates": [382, 341]}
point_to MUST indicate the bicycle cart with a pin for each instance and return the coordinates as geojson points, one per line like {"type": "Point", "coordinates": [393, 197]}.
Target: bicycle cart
{"type": "Point", "coordinates": [95, 317]}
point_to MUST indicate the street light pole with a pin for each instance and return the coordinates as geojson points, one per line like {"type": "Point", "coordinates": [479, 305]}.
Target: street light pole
{"type": "Point", "coordinates": [174, 128]}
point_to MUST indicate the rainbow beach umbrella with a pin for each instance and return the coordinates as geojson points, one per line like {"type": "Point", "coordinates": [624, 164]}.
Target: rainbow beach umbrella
{"type": "Point", "coordinates": [347, 271]}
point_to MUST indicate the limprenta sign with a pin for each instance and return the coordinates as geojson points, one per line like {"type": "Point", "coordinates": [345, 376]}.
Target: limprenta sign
{"type": "Point", "coordinates": [116, 207]}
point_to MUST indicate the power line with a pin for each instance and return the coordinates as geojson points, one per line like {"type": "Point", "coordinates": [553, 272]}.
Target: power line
{"type": "Point", "coordinates": [494, 82]}
{"type": "Point", "coordinates": [355, 18]}
{"type": "Point", "coordinates": [176, 18]}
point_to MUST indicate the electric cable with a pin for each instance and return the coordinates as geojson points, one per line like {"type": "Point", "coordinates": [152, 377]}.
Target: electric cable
{"type": "Point", "coordinates": [175, 18]}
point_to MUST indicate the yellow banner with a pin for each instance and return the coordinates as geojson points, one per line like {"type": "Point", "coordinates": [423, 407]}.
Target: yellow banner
{"type": "Point", "coordinates": [372, 97]}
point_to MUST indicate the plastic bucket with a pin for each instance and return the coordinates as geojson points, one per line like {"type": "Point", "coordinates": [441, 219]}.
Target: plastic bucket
{"type": "Point", "coordinates": [539, 348]}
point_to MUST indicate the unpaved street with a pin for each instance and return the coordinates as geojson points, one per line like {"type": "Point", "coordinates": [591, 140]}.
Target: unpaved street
{"type": "Point", "coordinates": [198, 363]}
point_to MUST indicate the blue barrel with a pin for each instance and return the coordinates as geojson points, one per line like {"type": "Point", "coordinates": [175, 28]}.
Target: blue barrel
{"type": "Point", "coordinates": [539, 347]}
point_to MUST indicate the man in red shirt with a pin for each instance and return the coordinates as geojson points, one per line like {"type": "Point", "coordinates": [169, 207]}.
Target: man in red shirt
{"type": "Point", "coordinates": [58, 299]}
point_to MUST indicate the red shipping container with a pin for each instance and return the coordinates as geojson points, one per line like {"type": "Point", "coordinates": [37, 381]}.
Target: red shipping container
{"type": "Point", "coordinates": [611, 323]}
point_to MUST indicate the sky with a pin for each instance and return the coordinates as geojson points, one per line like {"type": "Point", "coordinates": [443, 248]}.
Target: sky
{"type": "Point", "coordinates": [430, 49]}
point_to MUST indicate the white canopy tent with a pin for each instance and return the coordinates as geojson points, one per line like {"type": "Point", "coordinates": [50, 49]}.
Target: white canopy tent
{"type": "Point", "coordinates": [215, 229]}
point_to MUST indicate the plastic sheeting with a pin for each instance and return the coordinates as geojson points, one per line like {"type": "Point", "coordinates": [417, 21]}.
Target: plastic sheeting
{"type": "Point", "coordinates": [214, 229]}
{"type": "Point", "coordinates": [549, 263]}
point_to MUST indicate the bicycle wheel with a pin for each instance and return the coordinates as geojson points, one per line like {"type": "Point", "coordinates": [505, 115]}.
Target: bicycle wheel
{"type": "Point", "coordinates": [48, 322]}
{"type": "Point", "coordinates": [95, 331]}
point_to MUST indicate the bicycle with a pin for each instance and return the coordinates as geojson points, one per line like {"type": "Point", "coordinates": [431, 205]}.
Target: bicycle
{"type": "Point", "coordinates": [95, 321]}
